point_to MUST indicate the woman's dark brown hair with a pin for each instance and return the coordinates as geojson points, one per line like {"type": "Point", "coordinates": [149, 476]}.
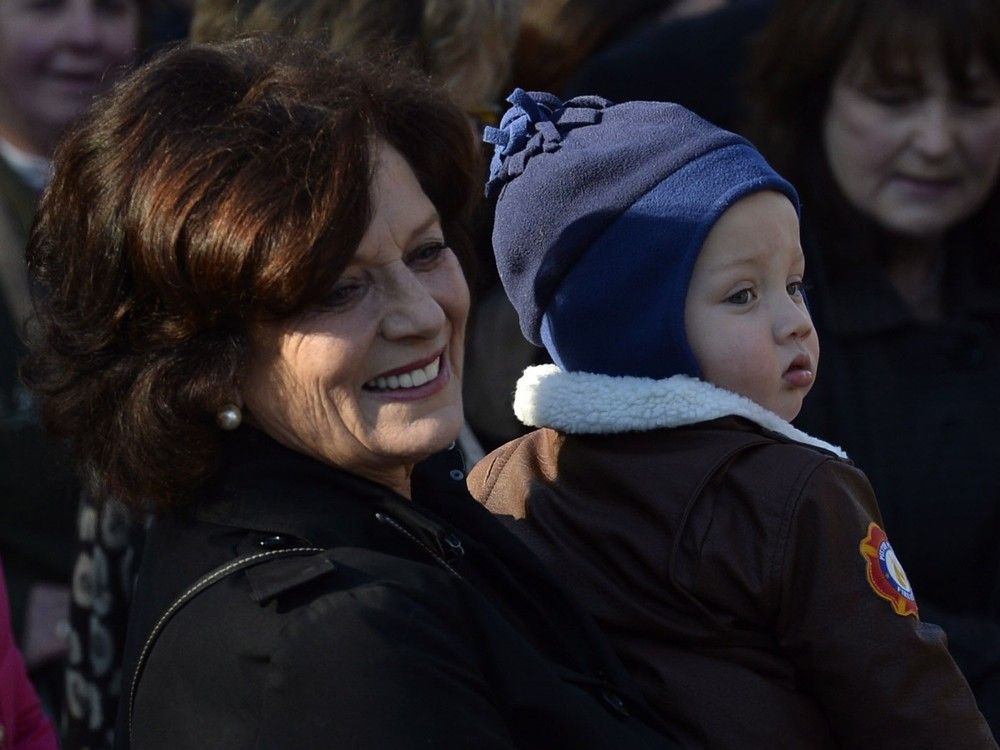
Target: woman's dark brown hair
{"type": "Point", "coordinates": [802, 50]}
{"type": "Point", "coordinates": [217, 186]}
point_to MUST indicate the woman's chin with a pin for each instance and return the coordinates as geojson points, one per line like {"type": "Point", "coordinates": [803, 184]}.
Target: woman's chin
{"type": "Point", "coordinates": [416, 429]}
{"type": "Point", "coordinates": [433, 434]}
{"type": "Point", "coordinates": [415, 438]}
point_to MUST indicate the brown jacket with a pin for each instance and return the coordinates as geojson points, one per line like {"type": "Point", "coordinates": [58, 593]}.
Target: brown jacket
{"type": "Point", "coordinates": [738, 573]}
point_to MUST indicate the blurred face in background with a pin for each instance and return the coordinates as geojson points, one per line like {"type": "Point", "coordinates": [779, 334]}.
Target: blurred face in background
{"type": "Point", "coordinates": [915, 150]}
{"type": "Point", "coordinates": [55, 55]}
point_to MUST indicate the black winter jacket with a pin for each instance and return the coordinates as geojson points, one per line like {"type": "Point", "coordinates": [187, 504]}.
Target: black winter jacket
{"type": "Point", "coordinates": [421, 624]}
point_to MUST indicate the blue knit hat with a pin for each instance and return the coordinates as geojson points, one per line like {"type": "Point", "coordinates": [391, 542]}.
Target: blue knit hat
{"type": "Point", "coordinates": [601, 213]}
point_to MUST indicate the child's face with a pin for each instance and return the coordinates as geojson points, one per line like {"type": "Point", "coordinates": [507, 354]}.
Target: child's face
{"type": "Point", "coordinates": [745, 315]}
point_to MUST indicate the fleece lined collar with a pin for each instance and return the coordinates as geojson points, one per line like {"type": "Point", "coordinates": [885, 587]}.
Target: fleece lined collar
{"type": "Point", "coordinates": [583, 402]}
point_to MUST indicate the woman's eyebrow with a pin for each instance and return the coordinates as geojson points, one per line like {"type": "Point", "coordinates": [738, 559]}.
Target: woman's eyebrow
{"type": "Point", "coordinates": [429, 221]}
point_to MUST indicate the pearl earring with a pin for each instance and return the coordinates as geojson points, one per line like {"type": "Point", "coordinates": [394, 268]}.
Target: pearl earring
{"type": "Point", "coordinates": [229, 417]}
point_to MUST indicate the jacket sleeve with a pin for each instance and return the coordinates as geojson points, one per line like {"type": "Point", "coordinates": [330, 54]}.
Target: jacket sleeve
{"type": "Point", "coordinates": [382, 670]}
{"type": "Point", "coordinates": [849, 622]}
{"type": "Point", "coordinates": [974, 642]}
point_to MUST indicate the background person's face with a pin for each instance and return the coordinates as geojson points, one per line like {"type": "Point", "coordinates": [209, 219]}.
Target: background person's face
{"type": "Point", "coordinates": [915, 154]}
{"type": "Point", "coordinates": [371, 380]}
{"type": "Point", "coordinates": [55, 55]}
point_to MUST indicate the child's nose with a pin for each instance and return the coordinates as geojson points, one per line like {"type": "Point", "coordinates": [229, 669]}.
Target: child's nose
{"type": "Point", "coordinates": [793, 321]}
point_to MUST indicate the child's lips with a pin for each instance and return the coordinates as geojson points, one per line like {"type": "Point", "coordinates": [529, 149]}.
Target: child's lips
{"type": "Point", "coordinates": [800, 373]}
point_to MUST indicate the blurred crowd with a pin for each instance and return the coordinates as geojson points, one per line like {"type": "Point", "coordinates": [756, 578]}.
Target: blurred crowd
{"type": "Point", "coordinates": [884, 115]}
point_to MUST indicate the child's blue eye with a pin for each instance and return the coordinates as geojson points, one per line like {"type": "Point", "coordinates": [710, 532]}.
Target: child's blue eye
{"type": "Point", "coordinates": [742, 297]}
{"type": "Point", "coordinates": [797, 289]}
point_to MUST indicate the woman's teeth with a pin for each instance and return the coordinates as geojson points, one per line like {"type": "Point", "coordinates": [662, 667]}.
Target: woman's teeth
{"type": "Point", "coordinates": [410, 379]}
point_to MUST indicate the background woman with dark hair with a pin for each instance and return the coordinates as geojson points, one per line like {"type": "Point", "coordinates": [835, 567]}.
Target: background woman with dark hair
{"type": "Point", "coordinates": [253, 325]}
{"type": "Point", "coordinates": [886, 115]}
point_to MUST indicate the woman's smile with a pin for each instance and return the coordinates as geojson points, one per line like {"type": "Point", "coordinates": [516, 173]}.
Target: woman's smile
{"type": "Point", "coordinates": [414, 381]}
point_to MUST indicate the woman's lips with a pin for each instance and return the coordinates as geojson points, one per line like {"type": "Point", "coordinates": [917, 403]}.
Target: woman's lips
{"type": "Point", "coordinates": [88, 72]}
{"type": "Point", "coordinates": [926, 187]}
{"type": "Point", "coordinates": [415, 365]}
{"type": "Point", "coordinates": [77, 84]}
{"type": "Point", "coordinates": [411, 382]}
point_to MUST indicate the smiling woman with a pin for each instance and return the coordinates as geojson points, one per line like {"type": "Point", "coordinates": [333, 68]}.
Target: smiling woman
{"type": "Point", "coordinates": [372, 376]}
{"type": "Point", "coordinates": [253, 326]}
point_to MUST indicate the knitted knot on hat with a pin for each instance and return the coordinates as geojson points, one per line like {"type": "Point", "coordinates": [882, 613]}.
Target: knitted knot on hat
{"type": "Point", "coordinates": [601, 212]}
{"type": "Point", "coordinates": [533, 124]}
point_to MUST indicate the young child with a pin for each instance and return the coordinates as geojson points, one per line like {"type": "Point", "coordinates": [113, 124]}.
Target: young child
{"type": "Point", "coordinates": [738, 564]}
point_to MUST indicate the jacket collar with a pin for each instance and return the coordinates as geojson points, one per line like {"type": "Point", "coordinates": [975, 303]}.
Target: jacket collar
{"type": "Point", "coordinates": [266, 487]}
{"type": "Point", "coordinates": [582, 402]}
{"type": "Point", "coordinates": [262, 486]}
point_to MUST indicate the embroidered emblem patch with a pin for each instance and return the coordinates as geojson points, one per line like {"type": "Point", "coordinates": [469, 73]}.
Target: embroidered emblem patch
{"type": "Point", "coordinates": [885, 573]}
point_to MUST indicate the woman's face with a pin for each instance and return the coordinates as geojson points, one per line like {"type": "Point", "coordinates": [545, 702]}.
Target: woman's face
{"type": "Point", "coordinates": [371, 380]}
{"type": "Point", "coordinates": [915, 154]}
{"type": "Point", "coordinates": [54, 57]}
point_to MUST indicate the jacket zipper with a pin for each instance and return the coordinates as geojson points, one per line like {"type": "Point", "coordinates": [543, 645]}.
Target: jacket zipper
{"type": "Point", "coordinates": [392, 522]}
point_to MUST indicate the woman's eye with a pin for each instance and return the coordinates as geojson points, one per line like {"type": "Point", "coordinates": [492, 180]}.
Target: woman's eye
{"type": "Point", "coordinates": [427, 255]}
{"type": "Point", "coordinates": [894, 97]}
{"type": "Point", "coordinates": [42, 5]}
{"type": "Point", "coordinates": [343, 294]}
{"type": "Point", "coordinates": [977, 99]}
{"type": "Point", "coordinates": [742, 297]}
{"type": "Point", "coordinates": [112, 7]}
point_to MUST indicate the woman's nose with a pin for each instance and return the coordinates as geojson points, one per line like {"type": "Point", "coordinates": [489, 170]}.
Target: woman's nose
{"type": "Point", "coordinates": [81, 24]}
{"type": "Point", "coordinates": [934, 129]}
{"type": "Point", "coordinates": [412, 310]}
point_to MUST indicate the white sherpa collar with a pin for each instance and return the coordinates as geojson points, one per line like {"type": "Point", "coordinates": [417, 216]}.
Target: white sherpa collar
{"type": "Point", "coordinates": [583, 402]}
